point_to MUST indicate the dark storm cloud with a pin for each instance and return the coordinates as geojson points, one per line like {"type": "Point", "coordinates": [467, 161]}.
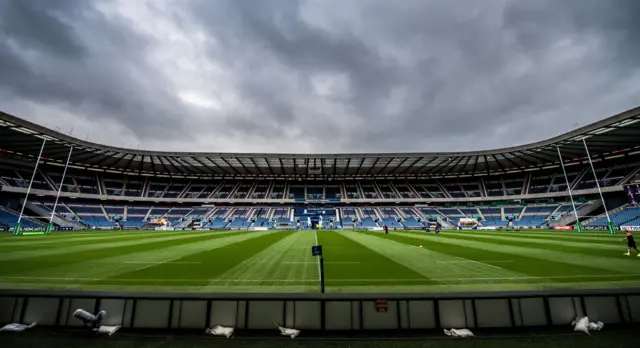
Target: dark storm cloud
{"type": "Point", "coordinates": [326, 76]}
{"type": "Point", "coordinates": [64, 53]}
{"type": "Point", "coordinates": [37, 27]}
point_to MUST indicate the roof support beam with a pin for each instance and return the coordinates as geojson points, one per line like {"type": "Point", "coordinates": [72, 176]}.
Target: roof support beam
{"type": "Point", "coordinates": [400, 165]}
{"type": "Point", "coordinates": [153, 165]}
{"type": "Point", "coordinates": [269, 166]}
{"type": "Point", "coordinates": [168, 163]}
{"type": "Point", "coordinates": [222, 170]}
{"type": "Point", "coordinates": [295, 168]}
{"type": "Point", "coordinates": [475, 165]}
{"type": "Point", "coordinates": [512, 162]}
{"type": "Point", "coordinates": [186, 164]}
{"type": "Point", "coordinates": [120, 159]}
{"type": "Point", "coordinates": [439, 168]}
{"type": "Point", "coordinates": [186, 170]}
{"type": "Point", "coordinates": [542, 156]}
{"type": "Point", "coordinates": [102, 159]}
{"type": "Point", "coordinates": [244, 167]}
{"type": "Point", "coordinates": [256, 166]}
{"type": "Point", "coordinates": [228, 164]}
{"type": "Point", "coordinates": [498, 162]}
{"type": "Point", "coordinates": [386, 165]}
{"type": "Point", "coordinates": [87, 156]}
{"type": "Point", "coordinates": [465, 164]}
{"type": "Point", "coordinates": [205, 169]}
{"type": "Point", "coordinates": [166, 169]}
{"type": "Point", "coordinates": [140, 164]}
{"type": "Point", "coordinates": [408, 167]}
{"type": "Point", "coordinates": [486, 165]}
{"type": "Point", "coordinates": [425, 165]}
{"type": "Point", "coordinates": [373, 166]}
{"type": "Point", "coordinates": [453, 165]}
{"type": "Point", "coordinates": [360, 166]}
{"type": "Point", "coordinates": [523, 157]}
{"type": "Point", "coordinates": [346, 168]}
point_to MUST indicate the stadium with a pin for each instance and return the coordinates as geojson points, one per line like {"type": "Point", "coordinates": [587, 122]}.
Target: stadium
{"type": "Point", "coordinates": [547, 216]}
{"type": "Point", "coordinates": [176, 218]}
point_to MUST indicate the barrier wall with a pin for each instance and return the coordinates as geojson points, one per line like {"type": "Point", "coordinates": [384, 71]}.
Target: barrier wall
{"type": "Point", "coordinates": [341, 312]}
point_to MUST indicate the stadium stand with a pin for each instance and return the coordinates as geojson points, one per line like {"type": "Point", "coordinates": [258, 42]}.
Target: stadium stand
{"type": "Point", "coordinates": [629, 216]}
{"type": "Point", "coordinates": [109, 187]}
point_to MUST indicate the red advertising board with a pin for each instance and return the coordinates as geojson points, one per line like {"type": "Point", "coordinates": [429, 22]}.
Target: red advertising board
{"type": "Point", "coordinates": [562, 227]}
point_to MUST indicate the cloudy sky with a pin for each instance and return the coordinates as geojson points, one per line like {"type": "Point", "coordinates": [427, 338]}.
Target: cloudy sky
{"type": "Point", "coordinates": [318, 75]}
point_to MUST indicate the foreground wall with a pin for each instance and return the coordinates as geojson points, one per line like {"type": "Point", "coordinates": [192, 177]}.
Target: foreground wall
{"type": "Point", "coordinates": [323, 312]}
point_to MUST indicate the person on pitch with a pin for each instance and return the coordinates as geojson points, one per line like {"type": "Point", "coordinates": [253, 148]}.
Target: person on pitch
{"type": "Point", "coordinates": [631, 244]}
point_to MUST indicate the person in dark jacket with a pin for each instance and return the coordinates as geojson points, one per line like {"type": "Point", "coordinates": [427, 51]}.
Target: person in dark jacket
{"type": "Point", "coordinates": [631, 244]}
{"type": "Point", "coordinates": [386, 229]}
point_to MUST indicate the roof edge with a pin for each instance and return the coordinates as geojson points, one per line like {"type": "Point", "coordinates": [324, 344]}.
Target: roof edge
{"type": "Point", "coordinates": [530, 146]}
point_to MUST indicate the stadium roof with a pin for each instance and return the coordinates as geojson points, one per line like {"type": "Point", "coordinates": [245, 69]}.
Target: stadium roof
{"type": "Point", "coordinates": [613, 136]}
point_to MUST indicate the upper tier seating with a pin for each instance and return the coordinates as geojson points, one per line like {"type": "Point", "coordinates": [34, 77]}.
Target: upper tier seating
{"type": "Point", "coordinates": [619, 218]}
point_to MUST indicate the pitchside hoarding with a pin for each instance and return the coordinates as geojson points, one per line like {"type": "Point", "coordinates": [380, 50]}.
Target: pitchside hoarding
{"type": "Point", "coordinates": [38, 229]}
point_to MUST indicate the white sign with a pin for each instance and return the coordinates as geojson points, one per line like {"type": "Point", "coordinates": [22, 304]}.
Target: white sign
{"type": "Point", "coordinates": [260, 228]}
{"type": "Point", "coordinates": [630, 228]}
{"type": "Point", "coordinates": [488, 228]}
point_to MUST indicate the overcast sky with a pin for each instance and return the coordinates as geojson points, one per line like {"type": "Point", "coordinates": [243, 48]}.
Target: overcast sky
{"type": "Point", "coordinates": [318, 75]}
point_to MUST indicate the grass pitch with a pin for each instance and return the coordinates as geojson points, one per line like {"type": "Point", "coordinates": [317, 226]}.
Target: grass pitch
{"type": "Point", "coordinates": [281, 261]}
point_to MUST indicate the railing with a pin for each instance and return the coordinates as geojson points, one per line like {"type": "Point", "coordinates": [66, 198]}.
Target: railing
{"type": "Point", "coordinates": [328, 312]}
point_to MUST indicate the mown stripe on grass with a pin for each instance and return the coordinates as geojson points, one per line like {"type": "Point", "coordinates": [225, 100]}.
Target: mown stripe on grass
{"type": "Point", "coordinates": [615, 264]}
{"type": "Point", "coordinates": [429, 263]}
{"type": "Point", "coordinates": [56, 237]}
{"type": "Point", "coordinates": [547, 244]}
{"type": "Point", "coordinates": [534, 269]}
{"type": "Point", "coordinates": [576, 237]}
{"type": "Point", "coordinates": [216, 257]}
{"type": "Point", "coordinates": [575, 243]}
{"type": "Point", "coordinates": [76, 262]}
{"type": "Point", "coordinates": [61, 248]}
{"type": "Point", "coordinates": [86, 240]}
{"type": "Point", "coordinates": [288, 259]}
{"type": "Point", "coordinates": [350, 262]}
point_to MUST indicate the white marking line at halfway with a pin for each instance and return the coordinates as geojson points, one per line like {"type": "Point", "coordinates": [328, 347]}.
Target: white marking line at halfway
{"type": "Point", "coordinates": [324, 262]}
{"type": "Point", "coordinates": [337, 280]}
{"type": "Point", "coordinates": [319, 268]}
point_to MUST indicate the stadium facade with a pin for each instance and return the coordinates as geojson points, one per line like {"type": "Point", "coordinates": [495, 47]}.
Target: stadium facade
{"type": "Point", "coordinates": [590, 175]}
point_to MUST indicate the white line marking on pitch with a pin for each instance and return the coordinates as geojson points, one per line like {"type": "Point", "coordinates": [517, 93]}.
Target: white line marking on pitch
{"type": "Point", "coordinates": [461, 261]}
{"type": "Point", "coordinates": [319, 268]}
{"type": "Point", "coordinates": [347, 262]}
{"type": "Point", "coordinates": [313, 280]}
{"type": "Point", "coordinates": [149, 262]}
